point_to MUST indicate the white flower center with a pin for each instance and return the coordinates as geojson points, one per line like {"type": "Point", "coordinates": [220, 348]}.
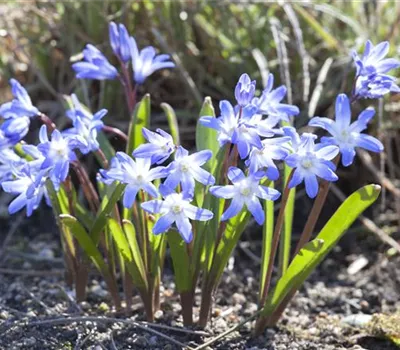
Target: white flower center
{"type": "Point", "coordinates": [245, 191]}
{"type": "Point", "coordinates": [306, 163]}
{"type": "Point", "coordinates": [185, 167]}
{"type": "Point", "coordinates": [176, 209]}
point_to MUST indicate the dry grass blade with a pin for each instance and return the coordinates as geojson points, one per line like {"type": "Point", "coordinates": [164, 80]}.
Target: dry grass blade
{"type": "Point", "coordinates": [282, 56]}
{"type": "Point", "coordinates": [305, 58]}
{"type": "Point", "coordinates": [319, 86]}
{"type": "Point", "coordinates": [366, 159]}
{"type": "Point", "coordinates": [369, 224]}
{"type": "Point", "coordinates": [184, 73]}
{"type": "Point", "coordinates": [262, 64]}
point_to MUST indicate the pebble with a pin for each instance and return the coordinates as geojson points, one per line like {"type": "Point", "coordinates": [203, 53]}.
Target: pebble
{"type": "Point", "coordinates": [141, 341]}
{"type": "Point", "coordinates": [99, 291]}
{"type": "Point", "coordinates": [4, 315]}
{"type": "Point", "coordinates": [158, 314]}
{"type": "Point", "coordinates": [364, 304]}
{"type": "Point", "coordinates": [29, 341]}
{"type": "Point", "coordinates": [153, 340]}
{"type": "Point", "coordinates": [85, 305]}
{"type": "Point", "coordinates": [238, 298]}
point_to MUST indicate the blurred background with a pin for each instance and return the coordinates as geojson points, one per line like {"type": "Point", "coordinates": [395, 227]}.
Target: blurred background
{"type": "Point", "coordinates": [307, 45]}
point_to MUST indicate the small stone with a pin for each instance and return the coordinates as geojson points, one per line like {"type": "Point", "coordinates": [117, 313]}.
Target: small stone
{"type": "Point", "coordinates": [238, 298]}
{"type": "Point", "coordinates": [4, 315]}
{"type": "Point", "coordinates": [31, 314]}
{"type": "Point", "coordinates": [26, 265]}
{"type": "Point", "coordinates": [99, 291]}
{"type": "Point", "coordinates": [357, 293]}
{"type": "Point", "coordinates": [141, 341]}
{"type": "Point", "coordinates": [364, 304]}
{"type": "Point", "coordinates": [46, 253]}
{"type": "Point", "coordinates": [216, 312]}
{"type": "Point", "coordinates": [29, 341]}
{"type": "Point", "coordinates": [153, 340]}
{"type": "Point", "coordinates": [85, 305]}
{"type": "Point", "coordinates": [323, 314]}
{"type": "Point", "coordinates": [158, 314]}
{"type": "Point", "coordinates": [168, 347]}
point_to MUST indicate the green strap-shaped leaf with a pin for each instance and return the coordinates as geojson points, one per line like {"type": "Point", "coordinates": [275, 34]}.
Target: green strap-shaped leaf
{"type": "Point", "coordinates": [130, 234]}
{"type": "Point", "coordinates": [206, 138]}
{"type": "Point", "coordinates": [172, 122]}
{"type": "Point", "coordinates": [85, 241]}
{"type": "Point", "coordinates": [140, 119]}
{"type": "Point", "coordinates": [228, 242]}
{"type": "Point", "coordinates": [314, 252]}
{"type": "Point", "coordinates": [180, 260]}
{"type": "Point", "coordinates": [113, 194]}
{"type": "Point", "coordinates": [134, 265]}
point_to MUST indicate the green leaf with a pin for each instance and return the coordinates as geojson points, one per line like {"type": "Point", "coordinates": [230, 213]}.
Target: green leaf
{"type": "Point", "coordinates": [114, 193]}
{"type": "Point", "coordinates": [172, 122]}
{"type": "Point", "coordinates": [305, 262]}
{"type": "Point", "coordinates": [180, 260]}
{"type": "Point", "coordinates": [140, 119]}
{"type": "Point", "coordinates": [130, 234]}
{"type": "Point", "coordinates": [206, 138]}
{"type": "Point", "coordinates": [131, 263]}
{"type": "Point", "coordinates": [286, 235]}
{"type": "Point", "coordinates": [84, 241]}
{"type": "Point", "coordinates": [228, 242]}
{"type": "Point", "coordinates": [268, 232]}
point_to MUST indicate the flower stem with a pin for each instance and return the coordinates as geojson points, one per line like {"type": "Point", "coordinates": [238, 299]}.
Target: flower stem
{"type": "Point", "coordinates": [275, 241]}
{"type": "Point", "coordinates": [315, 212]}
{"type": "Point", "coordinates": [115, 131]}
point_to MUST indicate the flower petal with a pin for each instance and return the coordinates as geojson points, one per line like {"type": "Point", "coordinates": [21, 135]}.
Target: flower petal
{"type": "Point", "coordinates": [163, 224]}
{"type": "Point", "coordinates": [234, 208]}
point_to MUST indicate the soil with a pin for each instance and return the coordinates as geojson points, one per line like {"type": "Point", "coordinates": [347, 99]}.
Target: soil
{"type": "Point", "coordinates": [32, 288]}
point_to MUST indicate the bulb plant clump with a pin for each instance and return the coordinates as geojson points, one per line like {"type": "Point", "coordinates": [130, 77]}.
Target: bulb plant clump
{"type": "Point", "coordinates": [156, 195]}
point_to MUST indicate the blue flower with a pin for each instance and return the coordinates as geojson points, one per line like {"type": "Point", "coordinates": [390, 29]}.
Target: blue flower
{"type": "Point", "coordinates": [371, 78]}
{"type": "Point", "coordinates": [103, 173]}
{"type": "Point", "coordinates": [269, 103]}
{"type": "Point", "coordinates": [83, 137]}
{"type": "Point", "coordinates": [235, 126]}
{"type": "Point", "coordinates": [29, 185]}
{"type": "Point", "coordinates": [15, 129]}
{"type": "Point", "coordinates": [345, 135]}
{"type": "Point", "coordinates": [146, 62]}
{"type": "Point", "coordinates": [176, 208]}
{"type": "Point", "coordinates": [119, 40]}
{"type": "Point", "coordinates": [58, 154]}
{"type": "Point", "coordinates": [244, 191]}
{"type": "Point", "coordinates": [310, 161]}
{"type": "Point", "coordinates": [136, 174]}
{"type": "Point", "coordinates": [273, 149]}
{"type": "Point", "coordinates": [95, 66]}
{"type": "Point", "coordinates": [9, 161]}
{"type": "Point", "coordinates": [375, 86]}
{"type": "Point", "coordinates": [373, 60]}
{"type": "Point", "coordinates": [245, 90]}
{"type": "Point", "coordinates": [160, 146]}
{"type": "Point", "coordinates": [187, 168]}
{"type": "Point", "coordinates": [89, 119]}
{"type": "Point", "coordinates": [21, 106]}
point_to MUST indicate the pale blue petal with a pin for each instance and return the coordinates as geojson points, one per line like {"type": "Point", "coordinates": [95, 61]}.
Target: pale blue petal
{"type": "Point", "coordinates": [369, 143]}
{"type": "Point", "coordinates": [267, 193]}
{"type": "Point", "coordinates": [201, 157]}
{"type": "Point", "coordinates": [154, 206]}
{"type": "Point", "coordinates": [150, 189]}
{"type": "Point", "coordinates": [297, 178]}
{"type": "Point", "coordinates": [163, 223]}
{"type": "Point", "coordinates": [223, 191]}
{"type": "Point", "coordinates": [342, 111]}
{"type": "Point", "coordinates": [196, 213]}
{"type": "Point", "coordinates": [17, 204]}
{"type": "Point", "coordinates": [235, 174]}
{"type": "Point", "coordinates": [130, 196]}
{"type": "Point", "coordinates": [328, 152]}
{"type": "Point", "coordinates": [311, 183]}
{"type": "Point", "coordinates": [255, 208]}
{"type": "Point", "coordinates": [234, 208]}
{"type": "Point", "coordinates": [184, 228]}
{"type": "Point", "coordinates": [202, 175]}
{"type": "Point", "coordinates": [348, 154]}
{"type": "Point", "coordinates": [324, 172]}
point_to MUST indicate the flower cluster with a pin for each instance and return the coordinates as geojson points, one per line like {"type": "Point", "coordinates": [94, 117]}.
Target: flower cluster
{"type": "Point", "coordinates": [145, 62]}
{"type": "Point", "coordinates": [371, 78]}
{"type": "Point", "coordinates": [256, 129]}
